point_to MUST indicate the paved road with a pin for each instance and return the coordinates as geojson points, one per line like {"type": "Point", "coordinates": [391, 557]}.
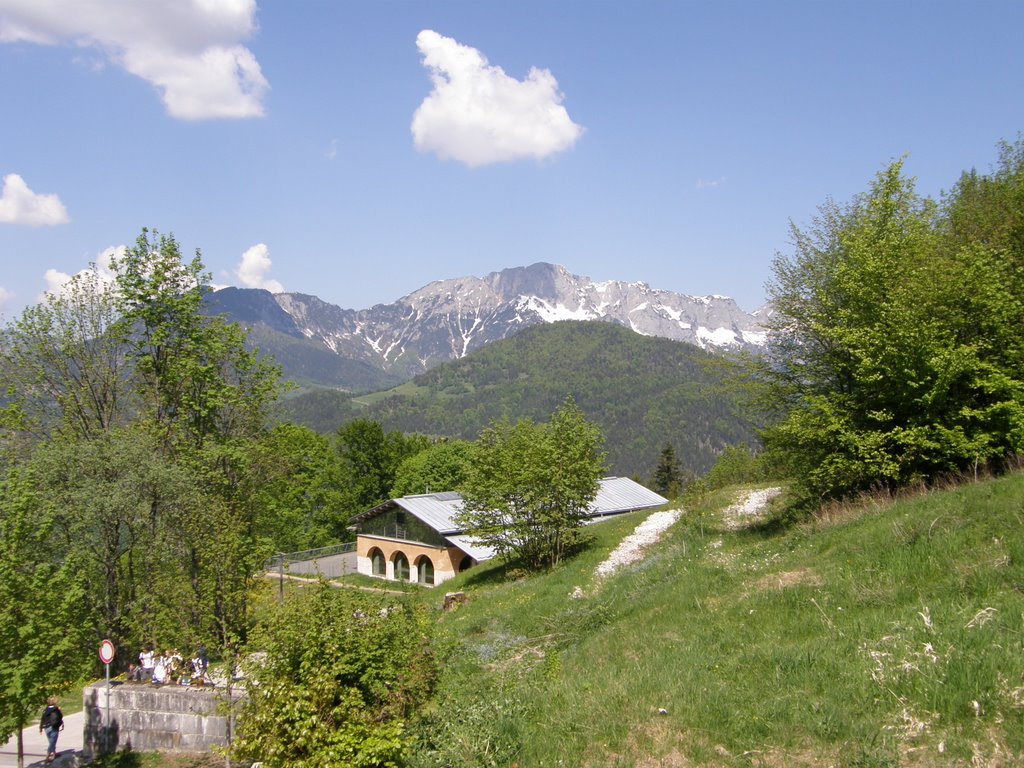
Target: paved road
{"type": "Point", "coordinates": [330, 567]}
{"type": "Point", "coordinates": [69, 742]}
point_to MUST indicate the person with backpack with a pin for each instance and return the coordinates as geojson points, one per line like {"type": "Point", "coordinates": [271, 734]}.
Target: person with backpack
{"type": "Point", "coordinates": [52, 722]}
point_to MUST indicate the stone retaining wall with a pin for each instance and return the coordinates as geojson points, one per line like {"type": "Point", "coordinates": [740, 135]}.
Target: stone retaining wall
{"type": "Point", "coordinates": [145, 717]}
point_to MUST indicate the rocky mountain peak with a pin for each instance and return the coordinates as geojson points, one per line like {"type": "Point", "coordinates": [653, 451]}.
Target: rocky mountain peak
{"type": "Point", "coordinates": [447, 319]}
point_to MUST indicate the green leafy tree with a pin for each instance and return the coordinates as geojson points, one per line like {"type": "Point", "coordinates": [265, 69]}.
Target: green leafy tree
{"type": "Point", "coordinates": [889, 354]}
{"type": "Point", "coordinates": [103, 492]}
{"type": "Point", "coordinates": [63, 364]}
{"type": "Point", "coordinates": [338, 677]}
{"type": "Point", "coordinates": [988, 209]}
{"type": "Point", "coordinates": [140, 414]}
{"type": "Point", "coordinates": [206, 397]}
{"type": "Point", "coordinates": [370, 457]}
{"type": "Point", "coordinates": [43, 624]}
{"type": "Point", "coordinates": [529, 486]}
{"type": "Point", "coordinates": [298, 489]}
{"type": "Point", "coordinates": [441, 467]}
{"type": "Point", "coordinates": [192, 372]}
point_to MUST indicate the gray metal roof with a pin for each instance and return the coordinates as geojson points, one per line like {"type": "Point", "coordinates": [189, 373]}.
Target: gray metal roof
{"type": "Point", "coordinates": [437, 510]}
{"type": "Point", "coordinates": [620, 494]}
{"type": "Point", "coordinates": [614, 496]}
{"type": "Point", "coordinates": [472, 547]}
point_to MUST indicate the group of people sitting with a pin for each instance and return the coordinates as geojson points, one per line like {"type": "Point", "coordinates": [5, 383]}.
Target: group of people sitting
{"type": "Point", "coordinates": [170, 667]}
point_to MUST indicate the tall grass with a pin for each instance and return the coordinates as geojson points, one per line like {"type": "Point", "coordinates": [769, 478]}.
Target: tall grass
{"type": "Point", "coordinates": [892, 634]}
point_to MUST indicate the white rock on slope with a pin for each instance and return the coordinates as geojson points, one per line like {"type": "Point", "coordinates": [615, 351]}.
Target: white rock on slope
{"type": "Point", "coordinates": [632, 547]}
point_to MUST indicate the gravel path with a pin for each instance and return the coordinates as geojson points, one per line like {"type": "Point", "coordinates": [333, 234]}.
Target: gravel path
{"type": "Point", "coordinates": [749, 506]}
{"type": "Point", "coordinates": [632, 547]}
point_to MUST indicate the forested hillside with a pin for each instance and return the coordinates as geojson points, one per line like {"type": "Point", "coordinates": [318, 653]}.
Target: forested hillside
{"type": "Point", "coordinates": [642, 391]}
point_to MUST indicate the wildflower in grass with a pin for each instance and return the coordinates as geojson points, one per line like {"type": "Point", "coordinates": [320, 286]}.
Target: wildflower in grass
{"type": "Point", "coordinates": [926, 617]}
{"type": "Point", "coordinates": [981, 618]}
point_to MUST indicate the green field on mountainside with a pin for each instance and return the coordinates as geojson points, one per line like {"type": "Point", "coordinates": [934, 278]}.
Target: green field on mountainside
{"type": "Point", "coordinates": [887, 633]}
{"type": "Point", "coordinates": [642, 391]}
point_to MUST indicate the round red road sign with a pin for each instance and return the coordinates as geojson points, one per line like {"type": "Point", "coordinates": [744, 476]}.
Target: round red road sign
{"type": "Point", "coordinates": [106, 651]}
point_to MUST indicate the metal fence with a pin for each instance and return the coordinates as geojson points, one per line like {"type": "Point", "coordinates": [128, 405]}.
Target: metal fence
{"type": "Point", "coordinates": [329, 562]}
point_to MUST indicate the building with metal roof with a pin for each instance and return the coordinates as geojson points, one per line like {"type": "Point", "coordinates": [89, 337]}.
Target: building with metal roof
{"type": "Point", "coordinates": [416, 538]}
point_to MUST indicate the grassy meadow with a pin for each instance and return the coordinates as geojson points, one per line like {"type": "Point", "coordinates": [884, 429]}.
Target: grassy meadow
{"type": "Point", "coordinates": [886, 633]}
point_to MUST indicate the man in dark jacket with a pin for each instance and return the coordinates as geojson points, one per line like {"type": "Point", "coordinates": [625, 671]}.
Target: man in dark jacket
{"type": "Point", "coordinates": [52, 722]}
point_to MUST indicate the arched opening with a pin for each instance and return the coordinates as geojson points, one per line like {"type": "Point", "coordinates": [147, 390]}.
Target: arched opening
{"type": "Point", "coordinates": [378, 565]}
{"type": "Point", "coordinates": [401, 567]}
{"type": "Point", "coordinates": [424, 570]}
{"type": "Point", "coordinates": [466, 563]}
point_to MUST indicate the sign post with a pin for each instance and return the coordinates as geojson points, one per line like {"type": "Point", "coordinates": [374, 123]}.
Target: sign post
{"type": "Point", "coordinates": [107, 656]}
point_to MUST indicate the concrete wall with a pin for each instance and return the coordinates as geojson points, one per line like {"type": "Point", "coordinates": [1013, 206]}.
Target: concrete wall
{"type": "Point", "coordinates": [445, 560]}
{"type": "Point", "coordinates": [146, 717]}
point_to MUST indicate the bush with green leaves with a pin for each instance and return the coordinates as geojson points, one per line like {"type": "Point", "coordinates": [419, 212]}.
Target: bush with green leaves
{"type": "Point", "coordinates": [896, 353]}
{"type": "Point", "coordinates": [334, 679]}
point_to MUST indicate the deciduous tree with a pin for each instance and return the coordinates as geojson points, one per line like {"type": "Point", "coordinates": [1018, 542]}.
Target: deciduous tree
{"type": "Point", "coordinates": [297, 488]}
{"type": "Point", "coordinates": [530, 485]}
{"type": "Point", "coordinates": [63, 363]}
{"type": "Point", "coordinates": [139, 412]}
{"type": "Point", "coordinates": [43, 624]}
{"type": "Point", "coordinates": [369, 459]}
{"type": "Point", "coordinates": [894, 357]}
{"type": "Point", "coordinates": [441, 467]}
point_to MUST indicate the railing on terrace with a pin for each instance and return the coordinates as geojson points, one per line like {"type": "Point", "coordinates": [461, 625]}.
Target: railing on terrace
{"type": "Point", "coordinates": [329, 562]}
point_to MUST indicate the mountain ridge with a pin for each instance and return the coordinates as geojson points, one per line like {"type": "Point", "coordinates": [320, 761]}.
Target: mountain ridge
{"type": "Point", "coordinates": [449, 318]}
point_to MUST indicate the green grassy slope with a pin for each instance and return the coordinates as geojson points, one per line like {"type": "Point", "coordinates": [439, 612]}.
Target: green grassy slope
{"type": "Point", "coordinates": [892, 635]}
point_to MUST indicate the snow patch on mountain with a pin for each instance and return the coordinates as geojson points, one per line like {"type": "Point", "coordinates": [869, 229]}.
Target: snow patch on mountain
{"type": "Point", "coordinates": [717, 337]}
{"type": "Point", "coordinates": [448, 319]}
{"type": "Point", "coordinates": [553, 313]}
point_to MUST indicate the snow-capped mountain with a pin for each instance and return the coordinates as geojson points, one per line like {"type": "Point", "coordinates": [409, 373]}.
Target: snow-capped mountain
{"type": "Point", "coordinates": [447, 319]}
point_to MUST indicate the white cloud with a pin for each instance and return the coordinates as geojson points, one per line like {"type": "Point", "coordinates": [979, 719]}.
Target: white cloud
{"type": "Point", "coordinates": [253, 268]}
{"type": "Point", "coordinates": [56, 281]}
{"type": "Point", "coordinates": [478, 115]}
{"type": "Point", "coordinates": [5, 296]}
{"type": "Point", "coordinates": [20, 205]}
{"type": "Point", "coordinates": [188, 49]}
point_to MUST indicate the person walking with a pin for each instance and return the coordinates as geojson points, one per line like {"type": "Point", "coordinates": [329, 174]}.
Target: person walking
{"type": "Point", "coordinates": [52, 722]}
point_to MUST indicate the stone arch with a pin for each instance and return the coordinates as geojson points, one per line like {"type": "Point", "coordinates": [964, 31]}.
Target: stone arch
{"type": "Point", "coordinates": [400, 564]}
{"type": "Point", "coordinates": [424, 570]}
{"type": "Point", "coordinates": [466, 563]}
{"type": "Point", "coordinates": [378, 563]}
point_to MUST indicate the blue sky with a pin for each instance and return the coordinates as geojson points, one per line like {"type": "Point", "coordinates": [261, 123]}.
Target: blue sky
{"type": "Point", "coordinates": [358, 150]}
